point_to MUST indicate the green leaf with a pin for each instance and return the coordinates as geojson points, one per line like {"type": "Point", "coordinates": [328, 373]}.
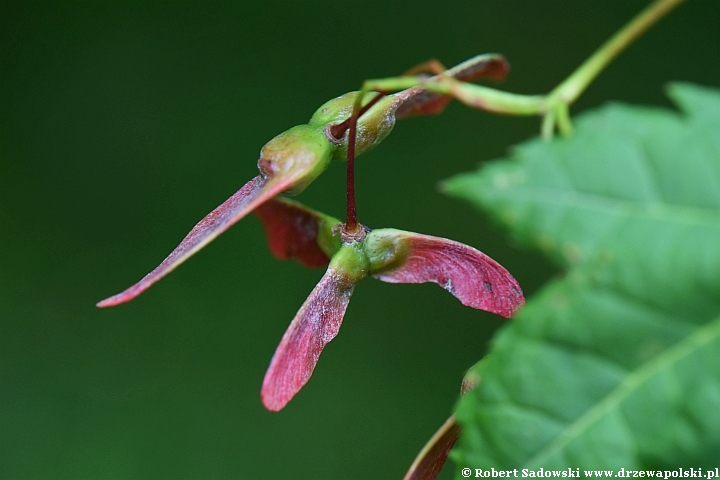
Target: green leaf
{"type": "Point", "coordinates": [616, 364]}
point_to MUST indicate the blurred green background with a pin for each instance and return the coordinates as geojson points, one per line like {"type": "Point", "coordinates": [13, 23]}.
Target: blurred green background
{"type": "Point", "coordinates": [124, 123]}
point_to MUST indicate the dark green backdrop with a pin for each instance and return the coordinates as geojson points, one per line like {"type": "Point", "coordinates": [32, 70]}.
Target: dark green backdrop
{"type": "Point", "coordinates": [122, 124]}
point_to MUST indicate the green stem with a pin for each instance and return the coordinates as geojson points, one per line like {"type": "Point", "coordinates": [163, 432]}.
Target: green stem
{"type": "Point", "coordinates": [553, 106]}
{"type": "Point", "coordinates": [570, 89]}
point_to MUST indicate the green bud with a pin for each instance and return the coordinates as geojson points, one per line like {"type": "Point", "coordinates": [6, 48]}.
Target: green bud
{"type": "Point", "coordinates": [303, 152]}
{"type": "Point", "coordinates": [352, 261]}
{"type": "Point", "coordinates": [386, 249]}
{"type": "Point", "coordinates": [372, 128]}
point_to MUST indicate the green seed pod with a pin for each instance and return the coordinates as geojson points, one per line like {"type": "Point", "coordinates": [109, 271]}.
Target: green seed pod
{"type": "Point", "coordinates": [303, 149]}
{"type": "Point", "coordinates": [372, 128]}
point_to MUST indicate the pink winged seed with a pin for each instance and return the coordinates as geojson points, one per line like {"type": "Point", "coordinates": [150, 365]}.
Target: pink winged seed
{"type": "Point", "coordinates": [316, 323]}
{"type": "Point", "coordinates": [292, 232]}
{"type": "Point", "coordinates": [475, 279]}
{"type": "Point", "coordinates": [252, 194]}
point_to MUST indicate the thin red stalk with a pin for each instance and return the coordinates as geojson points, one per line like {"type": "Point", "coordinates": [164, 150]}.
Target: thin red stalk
{"type": "Point", "coordinates": [351, 224]}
